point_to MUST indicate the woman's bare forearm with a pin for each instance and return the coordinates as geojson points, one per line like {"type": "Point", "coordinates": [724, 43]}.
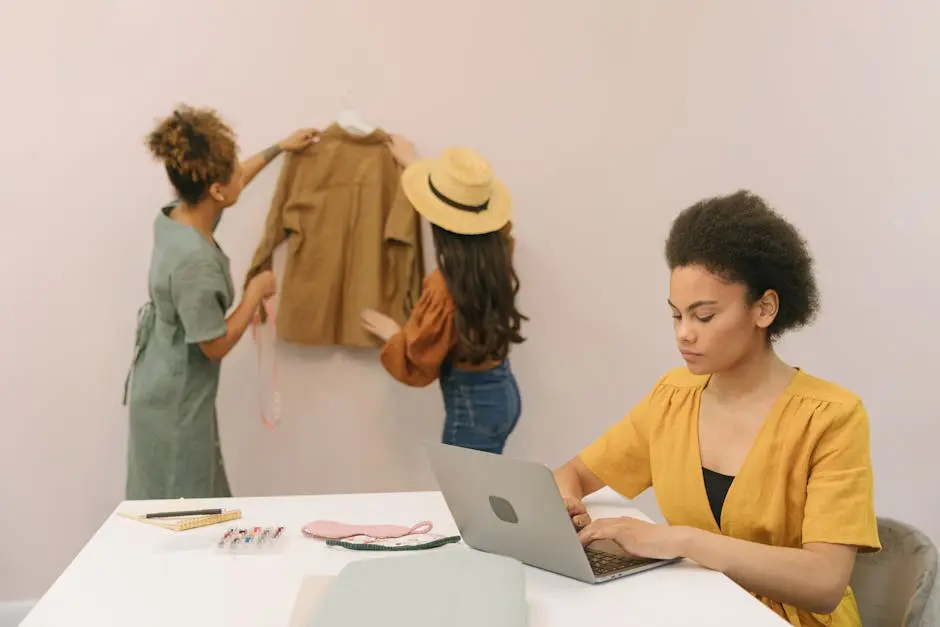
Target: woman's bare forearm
{"type": "Point", "coordinates": [235, 326]}
{"type": "Point", "coordinates": [813, 578]}
{"type": "Point", "coordinates": [256, 163]}
{"type": "Point", "coordinates": [576, 480]}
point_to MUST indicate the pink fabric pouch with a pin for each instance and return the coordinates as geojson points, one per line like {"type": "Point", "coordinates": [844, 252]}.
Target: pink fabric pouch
{"type": "Point", "coordinates": [331, 530]}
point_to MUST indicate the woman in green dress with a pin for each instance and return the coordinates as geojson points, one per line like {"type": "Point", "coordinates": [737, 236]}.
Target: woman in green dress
{"type": "Point", "coordinates": [185, 330]}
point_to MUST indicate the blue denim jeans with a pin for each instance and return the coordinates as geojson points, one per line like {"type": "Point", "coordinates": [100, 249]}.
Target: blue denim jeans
{"type": "Point", "coordinates": [482, 408]}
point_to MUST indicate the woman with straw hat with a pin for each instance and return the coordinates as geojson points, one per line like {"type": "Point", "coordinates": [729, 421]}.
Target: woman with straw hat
{"type": "Point", "coordinates": [462, 327]}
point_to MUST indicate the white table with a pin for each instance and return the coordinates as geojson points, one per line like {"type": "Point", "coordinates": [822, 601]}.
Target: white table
{"type": "Point", "coordinates": [136, 575]}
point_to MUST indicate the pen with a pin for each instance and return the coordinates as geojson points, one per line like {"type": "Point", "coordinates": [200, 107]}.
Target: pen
{"type": "Point", "coordinates": [192, 512]}
{"type": "Point", "coordinates": [228, 534]}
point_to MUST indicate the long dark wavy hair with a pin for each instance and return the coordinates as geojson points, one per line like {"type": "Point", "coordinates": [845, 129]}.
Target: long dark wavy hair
{"type": "Point", "coordinates": [483, 284]}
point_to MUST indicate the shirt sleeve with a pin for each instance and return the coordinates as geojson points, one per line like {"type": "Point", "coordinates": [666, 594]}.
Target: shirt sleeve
{"type": "Point", "coordinates": [198, 289]}
{"type": "Point", "coordinates": [621, 456]}
{"type": "Point", "coordinates": [415, 354]}
{"type": "Point", "coordinates": [400, 225]}
{"type": "Point", "coordinates": [403, 255]}
{"type": "Point", "coordinates": [840, 505]}
{"type": "Point", "coordinates": [274, 228]}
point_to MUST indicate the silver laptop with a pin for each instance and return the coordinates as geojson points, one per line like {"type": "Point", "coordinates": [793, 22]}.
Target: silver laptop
{"type": "Point", "coordinates": [448, 587]}
{"type": "Point", "coordinates": [512, 507]}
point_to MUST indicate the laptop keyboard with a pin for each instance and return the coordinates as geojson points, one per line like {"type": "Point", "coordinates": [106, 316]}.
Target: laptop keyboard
{"type": "Point", "coordinates": [603, 563]}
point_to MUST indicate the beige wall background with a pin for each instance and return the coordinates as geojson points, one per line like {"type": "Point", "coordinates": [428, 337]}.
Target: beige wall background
{"type": "Point", "coordinates": [605, 118]}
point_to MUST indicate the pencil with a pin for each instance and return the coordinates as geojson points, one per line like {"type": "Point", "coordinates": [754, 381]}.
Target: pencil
{"type": "Point", "coordinates": [193, 512]}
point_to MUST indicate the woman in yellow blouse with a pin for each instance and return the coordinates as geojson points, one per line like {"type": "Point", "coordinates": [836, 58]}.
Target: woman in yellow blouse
{"type": "Point", "coordinates": [762, 470]}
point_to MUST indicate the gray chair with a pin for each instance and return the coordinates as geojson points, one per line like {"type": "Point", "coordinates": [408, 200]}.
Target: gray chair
{"type": "Point", "coordinates": [899, 586]}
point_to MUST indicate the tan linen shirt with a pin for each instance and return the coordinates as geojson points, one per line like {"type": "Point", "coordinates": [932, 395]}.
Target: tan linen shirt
{"type": "Point", "coordinates": [354, 240]}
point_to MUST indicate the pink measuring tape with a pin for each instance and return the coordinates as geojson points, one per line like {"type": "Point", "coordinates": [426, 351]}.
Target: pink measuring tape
{"type": "Point", "coordinates": [273, 417]}
{"type": "Point", "coordinates": [332, 530]}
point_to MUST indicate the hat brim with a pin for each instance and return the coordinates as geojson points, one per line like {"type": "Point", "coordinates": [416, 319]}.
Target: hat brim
{"type": "Point", "coordinates": [497, 214]}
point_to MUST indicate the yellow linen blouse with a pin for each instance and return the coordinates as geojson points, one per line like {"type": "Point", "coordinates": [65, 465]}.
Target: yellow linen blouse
{"type": "Point", "coordinates": [807, 478]}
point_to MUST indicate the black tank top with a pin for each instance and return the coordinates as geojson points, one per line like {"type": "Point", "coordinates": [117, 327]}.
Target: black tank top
{"type": "Point", "coordinates": [716, 487]}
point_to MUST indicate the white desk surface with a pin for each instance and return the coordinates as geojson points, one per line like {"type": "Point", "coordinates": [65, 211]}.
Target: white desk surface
{"type": "Point", "coordinates": [135, 575]}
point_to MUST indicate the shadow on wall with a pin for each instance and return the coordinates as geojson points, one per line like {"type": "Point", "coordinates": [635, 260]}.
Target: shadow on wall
{"type": "Point", "coordinates": [373, 424]}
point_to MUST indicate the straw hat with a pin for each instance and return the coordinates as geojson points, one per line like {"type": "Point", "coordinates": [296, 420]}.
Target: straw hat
{"type": "Point", "coordinates": [458, 192]}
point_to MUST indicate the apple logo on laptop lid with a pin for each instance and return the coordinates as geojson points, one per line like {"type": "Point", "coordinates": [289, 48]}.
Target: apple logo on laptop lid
{"type": "Point", "coordinates": [503, 510]}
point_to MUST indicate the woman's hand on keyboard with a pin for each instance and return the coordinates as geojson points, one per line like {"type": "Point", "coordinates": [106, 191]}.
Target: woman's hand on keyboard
{"type": "Point", "coordinates": [578, 512]}
{"type": "Point", "coordinates": [636, 537]}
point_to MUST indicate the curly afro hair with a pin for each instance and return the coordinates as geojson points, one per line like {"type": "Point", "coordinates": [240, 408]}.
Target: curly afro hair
{"type": "Point", "coordinates": [197, 148]}
{"type": "Point", "coordinates": [741, 239]}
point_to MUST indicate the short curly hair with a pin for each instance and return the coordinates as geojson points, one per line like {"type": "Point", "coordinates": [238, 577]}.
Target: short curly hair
{"type": "Point", "coordinates": [740, 238]}
{"type": "Point", "coordinates": [197, 149]}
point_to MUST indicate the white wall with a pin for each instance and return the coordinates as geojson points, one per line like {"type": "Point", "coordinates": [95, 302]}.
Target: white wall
{"type": "Point", "coordinates": [606, 118]}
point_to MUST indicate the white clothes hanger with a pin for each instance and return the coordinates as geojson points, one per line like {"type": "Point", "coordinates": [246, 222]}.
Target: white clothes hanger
{"type": "Point", "coordinates": [350, 120]}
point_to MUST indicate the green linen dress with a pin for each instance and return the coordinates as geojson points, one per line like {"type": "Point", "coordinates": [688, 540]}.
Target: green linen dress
{"type": "Point", "coordinates": [173, 447]}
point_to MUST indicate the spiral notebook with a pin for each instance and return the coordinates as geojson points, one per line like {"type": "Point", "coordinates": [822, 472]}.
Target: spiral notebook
{"type": "Point", "coordinates": [185, 522]}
